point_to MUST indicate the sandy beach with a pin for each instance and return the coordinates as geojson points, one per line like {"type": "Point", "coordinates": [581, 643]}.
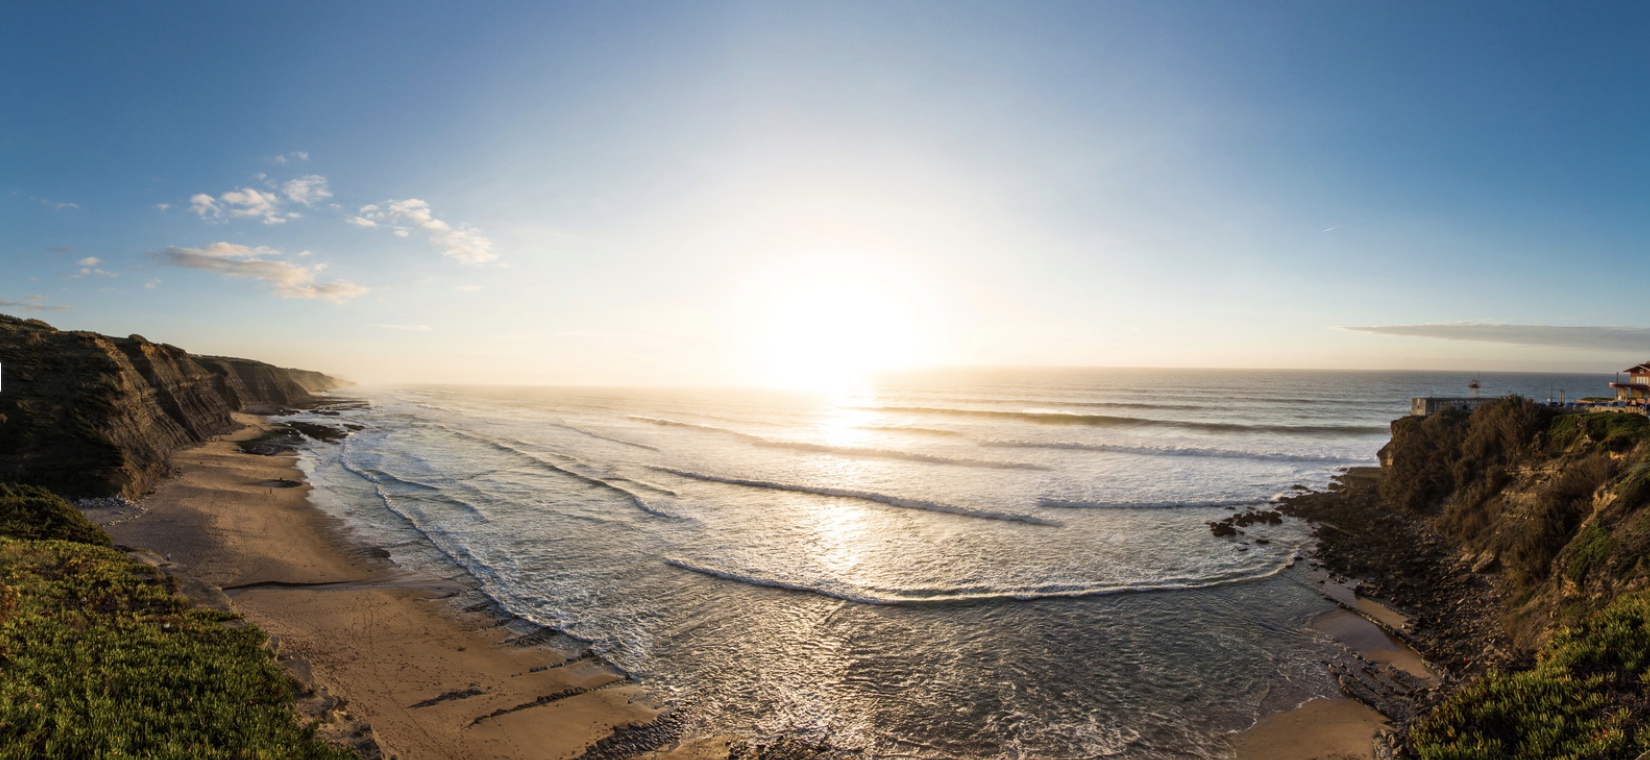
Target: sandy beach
{"type": "Point", "coordinates": [432, 681]}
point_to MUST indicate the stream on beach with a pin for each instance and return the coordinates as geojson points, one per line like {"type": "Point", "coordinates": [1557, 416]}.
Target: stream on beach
{"type": "Point", "coordinates": [1005, 563]}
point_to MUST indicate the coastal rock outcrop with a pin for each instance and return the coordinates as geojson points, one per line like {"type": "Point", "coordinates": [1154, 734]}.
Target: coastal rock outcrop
{"type": "Point", "coordinates": [86, 414]}
{"type": "Point", "coordinates": [1516, 538]}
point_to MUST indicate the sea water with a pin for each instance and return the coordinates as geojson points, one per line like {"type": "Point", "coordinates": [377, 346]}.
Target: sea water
{"type": "Point", "coordinates": [1009, 563]}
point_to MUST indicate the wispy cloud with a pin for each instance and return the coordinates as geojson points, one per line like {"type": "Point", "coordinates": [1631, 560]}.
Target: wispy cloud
{"type": "Point", "coordinates": [461, 242]}
{"type": "Point", "coordinates": [1553, 336]}
{"type": "Point", "coordinates": [297, 155]}
{"type": "Point", "coordinates": [89, 267]}
{"type": "Point", "coordinates": [288, 280]}
{"type": "Point", "coordinates": [59, 205]}
{"type": "Point", "coordinates": [467, 288]}
{"type": "Point", "coordinates": [419, 328]}
{"type": "Point", "coordinates": [31, 303]}
{"type": "Point", "coordinates": [162, 206]}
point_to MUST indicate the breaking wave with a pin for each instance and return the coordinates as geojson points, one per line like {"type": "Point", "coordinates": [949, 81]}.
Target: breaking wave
{"type": "Point", "coordinates": [970, 594]}
{"type": "Point", "coordinates": [1169, 504]}
{"type": "Point", "coordinates": [848, 451]}
{"type": "Point", "coordinates": [1181, 451]}
{"type": "Point", "coordinates": [1105, 420]}
{"type": "Point", "coordinates": [843, 493]}
{"type": "Point", "coordinates": [608, 483]}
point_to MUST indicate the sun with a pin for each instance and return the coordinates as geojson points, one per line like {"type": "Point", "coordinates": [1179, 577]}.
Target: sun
{"type": "Point", "coordinates": [830, 331]}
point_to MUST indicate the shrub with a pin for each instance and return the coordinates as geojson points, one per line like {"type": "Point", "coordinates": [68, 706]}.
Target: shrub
{"type": "Point", "coordinates": [1570, 705]}
{"type": "Point", "coordinates": [36, 513]}
{"type": "Point", "coordinates": [1417, 477]}
{"type": "Point", "coordinates": [1591, 549]}
{"type": "Point", "coordinates": [1529, 545]}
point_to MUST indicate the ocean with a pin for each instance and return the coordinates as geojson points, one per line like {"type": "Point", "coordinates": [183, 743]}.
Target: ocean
{"type": "Point", "coordinates": [1003, 563]}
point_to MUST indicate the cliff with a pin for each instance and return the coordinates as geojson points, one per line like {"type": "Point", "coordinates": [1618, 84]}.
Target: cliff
{"type": "Point", "coordinates": [92, 415]}
{"type": "Point", "coordinates": [1516, 538]}
{"type": "Point", "coordinates": [1553, 505]}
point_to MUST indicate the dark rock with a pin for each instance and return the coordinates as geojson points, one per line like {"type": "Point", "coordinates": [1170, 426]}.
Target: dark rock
{"type": "Point", "coordinates": [92, 415]}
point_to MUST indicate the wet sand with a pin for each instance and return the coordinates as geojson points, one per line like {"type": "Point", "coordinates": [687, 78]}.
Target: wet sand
{"type": "Point", "coordinates": [1338, 728]}
{"type": "Point", "coordinates": [433, 681]}
{"type": "Point", "coordinates": [1323, 729]}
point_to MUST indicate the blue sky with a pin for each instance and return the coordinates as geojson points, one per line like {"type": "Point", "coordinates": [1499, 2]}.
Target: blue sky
{"type": "Point", "coordinates": [753, 193]}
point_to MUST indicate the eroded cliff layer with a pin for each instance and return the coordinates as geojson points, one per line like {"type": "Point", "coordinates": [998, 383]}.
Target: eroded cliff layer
{"type": "Point", "coordinates": [90, 415]}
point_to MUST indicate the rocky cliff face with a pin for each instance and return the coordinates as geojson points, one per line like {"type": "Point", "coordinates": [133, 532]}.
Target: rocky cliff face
{"type": "Point", "coordinates": [91, 415]}
{"type": "Point", "coordinates": [1555, 506]}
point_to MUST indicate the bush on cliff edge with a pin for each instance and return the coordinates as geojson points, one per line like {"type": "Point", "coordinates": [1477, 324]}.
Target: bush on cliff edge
{"type": "Point", "coordinates": [1584, 699]}
{"type": "Point", "coordinates": [32, 512]}
{"type": "Point", "coordinates": [1457, 456]}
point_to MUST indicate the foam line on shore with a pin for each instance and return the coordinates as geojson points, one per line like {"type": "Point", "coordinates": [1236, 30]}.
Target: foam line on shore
{"type": "Point", "coordinates": [843, 493]}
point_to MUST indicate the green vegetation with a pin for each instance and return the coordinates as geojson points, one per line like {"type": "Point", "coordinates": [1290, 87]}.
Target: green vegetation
{"type": "Point", "coordinates": [1563, 502]}
{"type": "Point", "coordinates": [1528, 543]}
{"type": "Point", "coordinates": [1615, 431]}
{"type": "Point", "coordinates": [1582, 700]}
{"type": "Point", "coordinates": [33, 512]}
{"type": "Point", "coordinates": [1588, 551]}
{"type": "Point", "coordinates": [100, 658]}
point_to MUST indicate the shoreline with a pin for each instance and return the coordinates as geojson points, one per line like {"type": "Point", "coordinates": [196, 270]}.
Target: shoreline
{"type": "Point", "coordinates": [430, 679]}
{"type": "Point", "coordinates": [1377, 640]}
{"type": "Point", "coordinates": [1416, 620]}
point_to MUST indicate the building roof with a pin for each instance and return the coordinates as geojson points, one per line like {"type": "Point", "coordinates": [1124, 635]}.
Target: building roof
{"type": "Point", "coordinates": [1641, 368]}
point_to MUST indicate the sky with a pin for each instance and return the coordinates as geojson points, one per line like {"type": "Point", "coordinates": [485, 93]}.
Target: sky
{"type": "Point", "coordinates": [789, 193]}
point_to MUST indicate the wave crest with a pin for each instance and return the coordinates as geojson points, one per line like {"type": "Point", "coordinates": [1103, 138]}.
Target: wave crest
{"type": "Point", "coordinates": [1106, 420]}
{"type": "Point", "coordinates": [970, 594]}
{"type": "Point", "coordinates": [1181, 451]}
{"type": "Point", "coordinates": [843, 493]}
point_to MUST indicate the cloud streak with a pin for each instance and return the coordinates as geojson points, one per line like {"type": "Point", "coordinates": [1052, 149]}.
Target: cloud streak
{"type": "Point", "coordinates": [463, 242]}
{"type": "Point", "coordinates": [1633, 339]}
{"type": "Point", "coordinates": [286, 279]}
{"type": "Point", "coordinates": [31, 303]}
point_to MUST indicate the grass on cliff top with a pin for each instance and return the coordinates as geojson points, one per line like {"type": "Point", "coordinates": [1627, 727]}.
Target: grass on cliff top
{"type": "Point", "coordinates": [1615, 431]}
{"type": "Point", "coordinates": [99, 658]}
{"type": "Point", "coordinates": [1584, 699]}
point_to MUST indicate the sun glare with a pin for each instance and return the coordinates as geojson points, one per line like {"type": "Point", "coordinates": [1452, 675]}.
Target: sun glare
{"type": "Point", "coordinates": [828, 334]}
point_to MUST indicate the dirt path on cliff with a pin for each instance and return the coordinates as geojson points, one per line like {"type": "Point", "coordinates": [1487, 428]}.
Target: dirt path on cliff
{"type": "Point", "coordinates": [432, 681]}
